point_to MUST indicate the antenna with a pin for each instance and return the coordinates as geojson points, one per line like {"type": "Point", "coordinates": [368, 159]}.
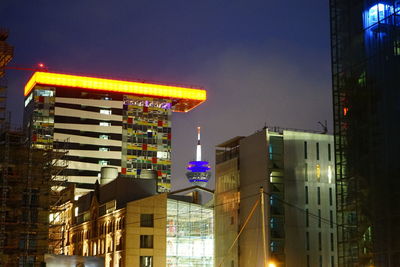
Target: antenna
{"type": "Point", "coordinates": [324, 127]}
{"type": "Point", "coordinates": [198, 148]}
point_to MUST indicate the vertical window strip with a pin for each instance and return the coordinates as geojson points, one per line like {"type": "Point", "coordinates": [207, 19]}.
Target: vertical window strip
{"type": "Point", "coordinates": [319, 241]}
{"type": "Point", "coordinates": [306, 172]}
{"type": "Point", "coordinates": [305, 150]}
{"type": "Point", "coordinates": [319, 195]}
{"type": "Point", "coordinates": [306, 194]}
{"type": "Point", "coordinates": [319, 218]}
{"type": "Point", "coordinates": [307, 218]}
{"type": "Point", "coordinates": [329, 152]}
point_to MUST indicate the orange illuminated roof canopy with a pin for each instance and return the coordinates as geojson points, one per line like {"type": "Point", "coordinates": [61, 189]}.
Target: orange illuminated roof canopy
{"type": "Point", "coordinates": [186, 98]}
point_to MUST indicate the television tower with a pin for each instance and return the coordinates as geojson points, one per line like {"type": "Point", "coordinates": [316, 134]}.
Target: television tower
{"type": "Point", "coordinates": [199, 173]}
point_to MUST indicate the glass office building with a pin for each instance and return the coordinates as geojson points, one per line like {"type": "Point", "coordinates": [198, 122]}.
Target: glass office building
{"type": "Point", "coordinates": [365, 41]}
{"type": "Point", "coordinates": [190, 238]}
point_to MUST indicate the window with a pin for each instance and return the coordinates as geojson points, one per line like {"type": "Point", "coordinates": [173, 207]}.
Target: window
{"type": "Point", "coordinates": [105, 111]}
{"type": "Point", "coordinates": [307, 241]}
{"type": "Point", "coordinates": [332, 261]}
{"type": "Point", "coordinates": [317, 144]}
{"type": "Point", "coordinates": [308, 261]}
{"type": "Point", "coordinates": [330, 174]}
{"type": "Point", "coordinates": [332, 243]}
{"type": "Point", "coordinates": [319, 218]}
{"type": "Point", "coordinates": [306, 172]}
{"type": "Point", "coordinates": [330, 197]}
{"type": "Point", "coordinates": [329, 152]}
{"type": "Point", "coordinates": [305, 150]}
{"type": "Point", "coordinates": [318, 172]}
{"type": "Point", "coordinates": [146, 241]}
{"type": "Point", "coordinates": [104, 123]}
{"type": "Point", "coordinates": [306, 194]}
{"type": "Point", "coordinates": [319, 195]}
{"type": "Point", "coordinates": [320, 260]}
{"type": "Point", "coordinates": [146, 261]}
{"type": "Point", "coordinates": [307, 218]}
{"type": "Point", "coordinates": [103, 162]}
{"type": "Point", "coordinates": [146, 220]}
{"type": "Point", "coordinates": [103, 136]}
{"type": "Point", "coordinates": [331, 218]}
{"type": "Point", "coordinates": [319, 241]}
{"type": "Point", "coordinates": [104, 149]}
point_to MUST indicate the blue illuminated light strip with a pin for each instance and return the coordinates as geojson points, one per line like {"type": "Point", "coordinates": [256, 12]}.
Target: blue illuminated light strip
{"type": "Point", "coordinates": [198, 166]}
{"type": "Point", "coordinates": [380, 13]}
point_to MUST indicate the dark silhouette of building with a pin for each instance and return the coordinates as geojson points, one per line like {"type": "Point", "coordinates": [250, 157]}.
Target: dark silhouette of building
{"type": "Point", "coordinates": [365, 41]}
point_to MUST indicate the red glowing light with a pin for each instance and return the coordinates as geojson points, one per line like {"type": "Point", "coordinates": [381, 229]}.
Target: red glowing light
{"type": "Point", "coordinates": [41, 65]}
{"type": "Point", "coordinates": [345, 110]}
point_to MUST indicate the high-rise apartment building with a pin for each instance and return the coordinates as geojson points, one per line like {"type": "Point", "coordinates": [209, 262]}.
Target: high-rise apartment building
{"type": "Point", "coordinates": [365, 40]}
{"type": "Point", "coordinates": [296, 171]}
{"type": "Point", "coordinates": [106, 122]}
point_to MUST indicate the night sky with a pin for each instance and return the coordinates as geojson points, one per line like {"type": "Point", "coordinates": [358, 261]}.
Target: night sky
{"type": "Point", "coordinates": [262, 62]}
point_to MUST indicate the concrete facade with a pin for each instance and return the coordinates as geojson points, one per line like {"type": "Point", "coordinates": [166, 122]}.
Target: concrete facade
{"type": "Point", "coordinates": [296, 171]}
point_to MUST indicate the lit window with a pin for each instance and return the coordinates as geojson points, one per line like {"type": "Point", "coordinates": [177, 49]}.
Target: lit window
{"type": "Point", "coordinates": [146, 261]}
{"type": "Point", "coordinates": [104, 149]}
{"type": "Point", "coordinates": [330, 174]}
{"type": "Point", "coordinates": [28, 99]}
{"type": "Point", "coordinates": [318, 172]}
{"type": "Point", "coordinates": [76, 211]}
{"type": "Point", "coordinates": [103, 123]}
{"type": "Point", "coordinates": [103, 162]}
{"type": "Point", "coordinates": [379, 12]}
{"type": "Point", "coordinates": [162, 155]}
{"type": "Point", "coordinates": [103, 136]}
{"type": "Point", "coordinates": [105, 111]}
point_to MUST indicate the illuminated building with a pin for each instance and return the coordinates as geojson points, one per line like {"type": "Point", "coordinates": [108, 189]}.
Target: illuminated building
{"type": "Point", "coordinates": [106, 122]}
{"type": "Point", "coordinates": [127, 224]}
{"type": "Point", "coordinates": [296, 172]}
{"type": "Point", "coordinates": [365, 42]}
{"type": "Point", "coordinates": [199, 170]}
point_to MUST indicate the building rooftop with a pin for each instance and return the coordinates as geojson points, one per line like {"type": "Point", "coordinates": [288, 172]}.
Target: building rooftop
{"type": "Point", "coordinates": [184, 98]}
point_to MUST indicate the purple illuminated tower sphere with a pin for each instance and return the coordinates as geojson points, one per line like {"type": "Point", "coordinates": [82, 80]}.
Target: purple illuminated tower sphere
{"type": "Point", "coordinates": [198, 170]}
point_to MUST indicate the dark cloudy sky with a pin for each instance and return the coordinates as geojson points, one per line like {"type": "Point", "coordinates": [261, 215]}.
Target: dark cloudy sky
{"type": "Point", "coordinates": [261, 61]}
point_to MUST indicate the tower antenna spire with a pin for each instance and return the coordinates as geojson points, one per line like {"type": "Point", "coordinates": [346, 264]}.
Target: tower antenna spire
{"type": "Point", "coordinates": [198, 170]}
{"type": "Point", "coordinates": [198, 148]}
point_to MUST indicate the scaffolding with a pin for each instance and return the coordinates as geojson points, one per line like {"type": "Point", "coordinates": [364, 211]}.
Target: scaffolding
{"type": "Point", "coordinates": [58, 219]}
{"type": "Point", "coordinates": [24, 201]}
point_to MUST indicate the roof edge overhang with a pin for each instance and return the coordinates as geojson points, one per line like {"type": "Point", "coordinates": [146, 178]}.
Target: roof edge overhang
{"type": "Point", "coordinates": [185, 98]}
